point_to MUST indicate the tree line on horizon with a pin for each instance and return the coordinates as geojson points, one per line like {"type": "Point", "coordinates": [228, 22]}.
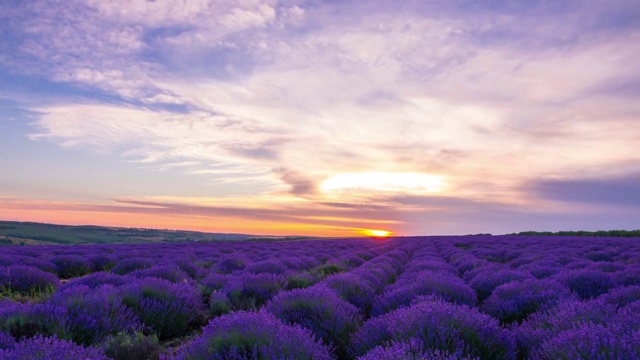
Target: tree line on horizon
{"type": "Point", "coordinates": [603, 233]}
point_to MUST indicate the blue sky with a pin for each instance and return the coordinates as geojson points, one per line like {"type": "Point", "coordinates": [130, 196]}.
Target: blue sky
{"type": "Point", "coordinates": [321, 117]}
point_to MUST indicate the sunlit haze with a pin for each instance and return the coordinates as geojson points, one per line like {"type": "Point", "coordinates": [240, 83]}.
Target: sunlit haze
{"type": "Point", "coordinates": [321, 117]}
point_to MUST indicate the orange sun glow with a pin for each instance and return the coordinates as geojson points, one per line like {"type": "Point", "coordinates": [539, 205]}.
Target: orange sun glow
{"type": "Point", "coordinates": [376, 233]}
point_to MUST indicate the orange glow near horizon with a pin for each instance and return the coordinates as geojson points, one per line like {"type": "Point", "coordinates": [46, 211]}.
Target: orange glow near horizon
{"type": "Point", "coordinates": [177, 222]}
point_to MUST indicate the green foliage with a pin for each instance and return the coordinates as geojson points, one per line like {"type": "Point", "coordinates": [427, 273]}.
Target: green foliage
{"type": "Point", "coordinates": [300, 281]}
{"type": "Point", "coordinates": [329, 269]}
{"type": "Point", "coordinates": [23, 325]}
{"type": "Point", "coordinates": [136, 346]}
{"type": "Point", "coordinates": [244, 342]}
{"type": "Point", "coordinates": [218, 306]}
{"type": "Point", "coordinates": [35, 294]}
{"type": "Point", "coordinates": [462, 246]}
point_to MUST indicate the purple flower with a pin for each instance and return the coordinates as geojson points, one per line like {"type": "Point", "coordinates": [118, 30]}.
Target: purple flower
{"type": "Point", "coordinates": [439, 325]}
{"type": "Point", "coordinates": [251, 291]}
{"type": "Point", "coordinates": [545, 324]}
{"type": "Point", "coordinates": [320, 310]}
{"type": "Point", "coordinates": [467, 263]}
{"type": "Point", "coordinates": [267, 266]}
{"type": "Point", "coordinates": [354, 289]}
{"type": "Point", "coordinates": [6, 341]}
{"type": "Point", "coordinates": [299, 262]}
{"type": "Point", "coordinates": [186, 264]}
{"type": "Point", "coordinates": [98, 279]}
{"type": "Point", "coordinates": [515, 301]}
{"type": "Point", "coordinates": [214, 282]}
{"type": "Point", "coordinates": [588, 341]}
{"type": "Point", "coordinates": [250, 335]}
{"type": "Point", "coordinates": [412, 349]}
{"type": "Point", "coordinates": [167, 308]}
{"type": "Point", "coordinates": [433, 265]}
{"type": "Point", "coordinates": [103, 262]}
{"type": "Point", "coordinates": [218, 304]}
{"type": "Point", "coordinates": [607, 267]}
{"type": "Point", "coordinates": [27, 280]}
{"type": "Point", "coordinates": [87, 315]}
{"type": "Point", "coordinates": [129, 265]}
{"type": "Point", "coordinates": [629, 276]}
{"type": "Point", "coordinates": [621, 296]}
{"type": "Point", "coordinates": [43, 348]}
{"type": "Point", "coordinates": [20, 320]}
{"type": "Point", "coordinates": [485, 283]}
{"type": "Point", "coordinates": [628, 317]}
{"type": "Point", "coordinates": [301, 280]}
{"type": "Point", "coordinates": [541, 271]}
{"type": "Point", "coordinates": [70, 266]}
{"type": "Point", "coordinates": [168, 272]}
{"type": "Point", "coordinates": [351, 260]}
{"type": "Point", "coordinates": [231, 264]}
{"type": "Point", "coordinates": [443, 284]}
{"type": "Point", "coordinates": [586, 283]}
{"type": "Point", "coordinates": [606, 256]}
{"type": "Point", "coordinates": [44, 265]}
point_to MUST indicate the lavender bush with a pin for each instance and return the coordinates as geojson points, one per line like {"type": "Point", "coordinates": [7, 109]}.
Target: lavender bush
{"type": "Point", "coordinates": [70, 266]}
{"type": "Point", "coordinates": [439, 325]}
{"type": "Point", "coordinates": [515, 301]}
{"type": "Point", "coordinates": [249, 335]}
{"type": "Point", "coordinates": [6, 341]}
{"type": "Point", "coordinates": [587, 283]}
{"type": "Point", "coordinates": [86, 316]}
{"type": "Point", "coordinates": [27, 280]}
{"type": "Point", "coordinates": [129, 265]}
{"type": "Point", "coordinates": [412, 350]}
{"type": "Point", "coordinates": [168, 309]}
{"type": "Point", "coordinates": [444, 284]}
{"type": "Point", "coordinates": [320, 310]}
{"type": "Point", "coordinates": [251, 291]}
{"type": "Point", "coordinates": [43, 348]}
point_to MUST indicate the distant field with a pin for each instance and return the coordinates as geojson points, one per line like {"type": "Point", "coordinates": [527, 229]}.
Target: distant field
{"type": "Point", "coordinates": [27, 233]}
{"type": "Point", "coordinates": [454, 297]}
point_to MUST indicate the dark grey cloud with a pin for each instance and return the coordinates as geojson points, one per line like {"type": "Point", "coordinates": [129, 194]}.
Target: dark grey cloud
{"type": "Point", "coordinates": [622, 190]}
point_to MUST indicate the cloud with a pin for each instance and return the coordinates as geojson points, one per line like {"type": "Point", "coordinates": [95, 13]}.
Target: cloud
{"type": "Point", "coordinates": [617, 191]}
{"type": "Point", "coordinates": [215, 141]}
{"type": "Point", "coordinates": [300, 185]}
{"type": "Point", "coordinates": [445, 84]}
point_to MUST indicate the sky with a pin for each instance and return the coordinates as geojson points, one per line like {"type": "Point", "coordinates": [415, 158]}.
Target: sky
{"type": "Point", "coordinates": [321, 117]}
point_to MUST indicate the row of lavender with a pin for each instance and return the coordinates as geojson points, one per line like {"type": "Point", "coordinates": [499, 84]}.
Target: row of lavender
{"type": "Point", "coordinates": [407, 298]}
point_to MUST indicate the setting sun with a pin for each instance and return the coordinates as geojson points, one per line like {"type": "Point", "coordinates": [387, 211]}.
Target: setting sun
{"type": "Point", "coordinates": [376, 233]}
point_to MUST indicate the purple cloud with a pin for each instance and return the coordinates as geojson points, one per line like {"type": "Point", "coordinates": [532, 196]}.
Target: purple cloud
{"type": "Point", "coordinates": [622, 190]}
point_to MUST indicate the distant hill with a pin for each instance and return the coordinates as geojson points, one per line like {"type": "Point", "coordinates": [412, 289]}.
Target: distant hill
{"type": "Point", "coordinates": [30, 233]}
{"type": "Point", "coordinates": [603, 233]}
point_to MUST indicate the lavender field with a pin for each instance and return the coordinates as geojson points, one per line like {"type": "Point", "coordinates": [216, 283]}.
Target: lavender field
{"type": "Point", "coordinates": [467, 297]}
